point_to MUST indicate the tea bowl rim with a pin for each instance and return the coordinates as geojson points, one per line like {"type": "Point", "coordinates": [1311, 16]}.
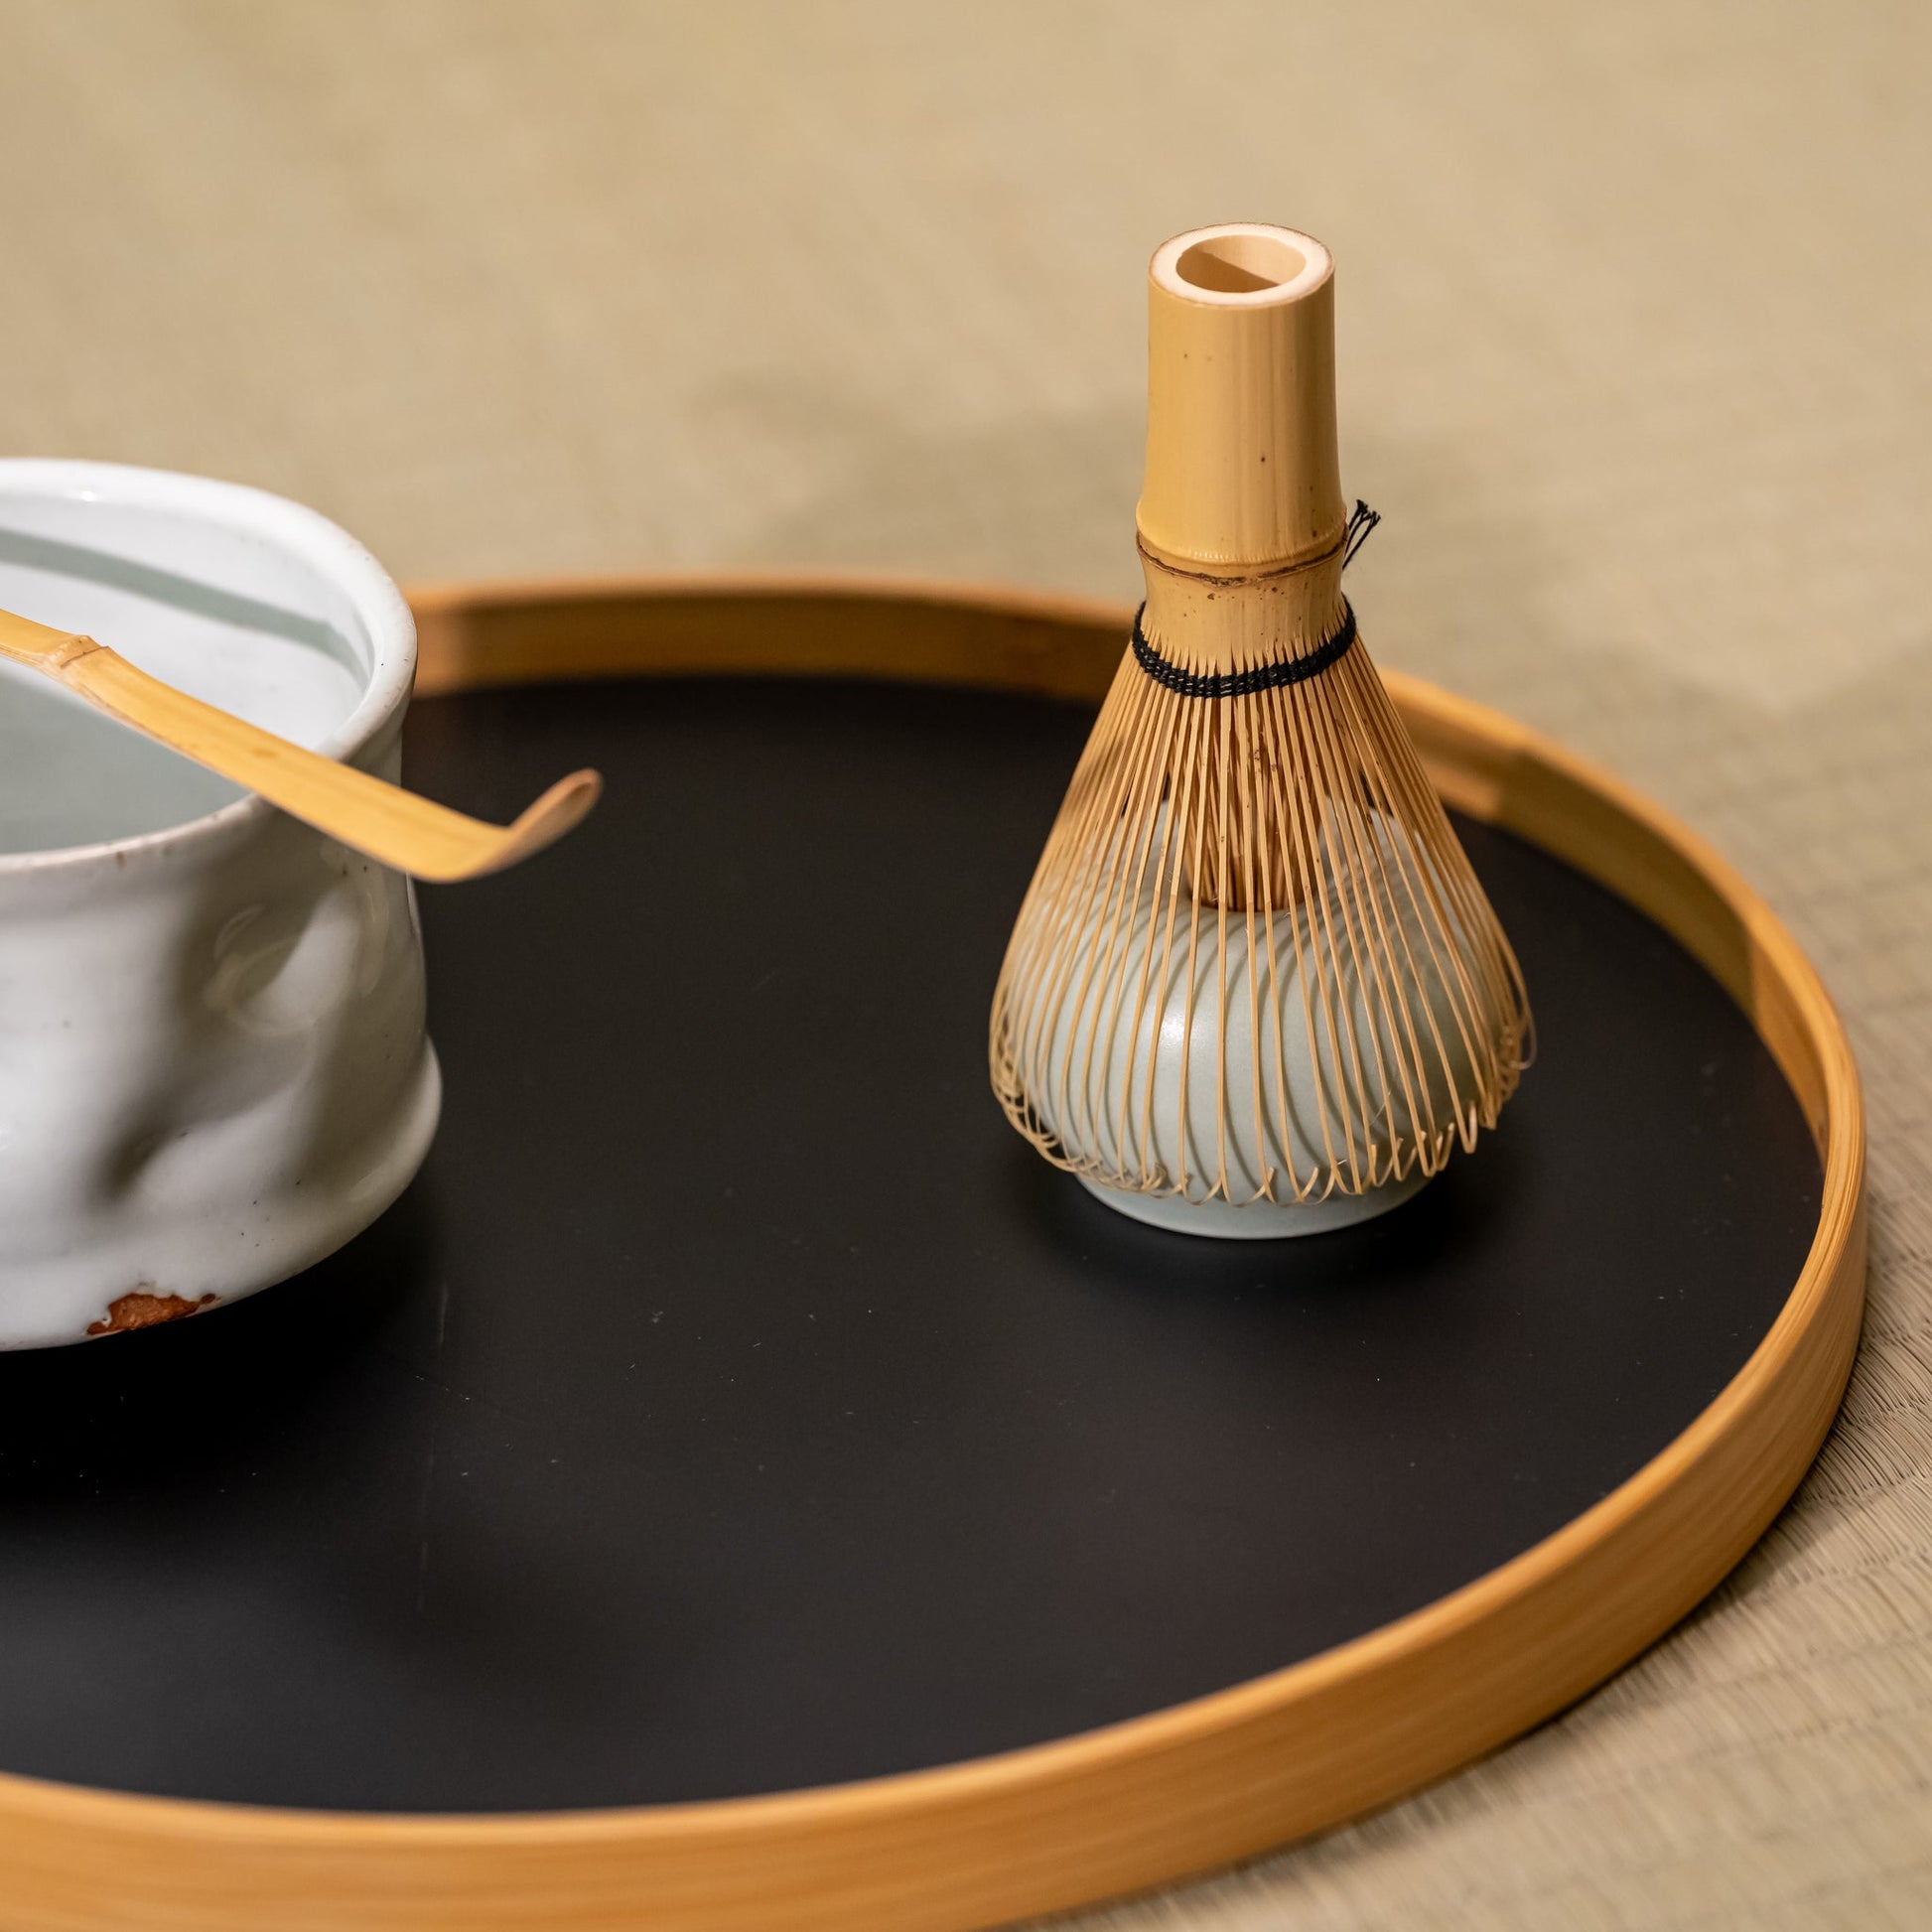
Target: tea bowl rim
{"type": "Point", "coordinates": [281, 523]}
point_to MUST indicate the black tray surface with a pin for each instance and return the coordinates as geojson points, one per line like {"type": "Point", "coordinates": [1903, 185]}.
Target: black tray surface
{"type": "Point", "coordinates": [735, 1403]}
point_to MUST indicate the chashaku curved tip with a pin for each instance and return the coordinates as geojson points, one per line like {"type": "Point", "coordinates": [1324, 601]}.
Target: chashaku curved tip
{"type": "Point", "coordinates": [561, 809]}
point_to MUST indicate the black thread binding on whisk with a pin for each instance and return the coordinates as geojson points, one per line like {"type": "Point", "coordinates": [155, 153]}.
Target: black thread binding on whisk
{"type": "Point", "coordinates": [1241, 684]}
{"type": "Point", "coordinates": [1361, 526]}
{"type": "Point", "coordinates": [1263, 677]}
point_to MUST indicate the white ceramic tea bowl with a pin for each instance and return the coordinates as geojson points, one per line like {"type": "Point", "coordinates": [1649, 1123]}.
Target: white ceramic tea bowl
{"type": "Point", "coordinates": [212, 1063]}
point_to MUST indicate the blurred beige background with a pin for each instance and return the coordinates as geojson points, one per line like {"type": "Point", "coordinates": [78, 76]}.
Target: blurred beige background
{"type": "Point", "coordinates": [1636, 312]}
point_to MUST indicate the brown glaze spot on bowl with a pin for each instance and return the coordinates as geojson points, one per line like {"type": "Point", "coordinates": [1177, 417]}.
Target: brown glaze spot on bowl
{"type": "Point", "coordinates": [141, 1307]}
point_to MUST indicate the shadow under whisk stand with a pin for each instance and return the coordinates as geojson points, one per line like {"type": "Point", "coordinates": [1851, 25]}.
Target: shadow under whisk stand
{"type": "Point", "coordinates": [1255, 988]}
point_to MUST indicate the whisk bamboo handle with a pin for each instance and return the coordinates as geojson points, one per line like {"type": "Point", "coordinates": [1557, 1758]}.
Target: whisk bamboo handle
{"type": "Point", "coordinates": [415, 835]}
{"type": "Point", "coordinates": [1242, 467]}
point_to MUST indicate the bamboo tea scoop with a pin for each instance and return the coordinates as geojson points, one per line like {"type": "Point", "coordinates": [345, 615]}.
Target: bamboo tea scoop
{"type": "Point", "coordinates": [415, 835]}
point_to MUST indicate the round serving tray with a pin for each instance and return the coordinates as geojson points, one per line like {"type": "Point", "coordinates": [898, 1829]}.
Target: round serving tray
{"type": "Point", "coordinates": [740, 1485]}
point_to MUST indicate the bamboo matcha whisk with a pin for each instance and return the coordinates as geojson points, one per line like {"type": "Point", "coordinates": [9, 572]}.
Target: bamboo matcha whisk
{"type": "Point", "coordinates": [1255, 988]}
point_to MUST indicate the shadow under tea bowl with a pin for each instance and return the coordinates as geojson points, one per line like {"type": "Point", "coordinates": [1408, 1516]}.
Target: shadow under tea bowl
{"type": "Point", "coordinates": [214, 1069]}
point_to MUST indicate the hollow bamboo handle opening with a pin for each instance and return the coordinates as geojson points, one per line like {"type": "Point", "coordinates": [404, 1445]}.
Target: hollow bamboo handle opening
{"type": "Point", "coordinates": [1242, 467]}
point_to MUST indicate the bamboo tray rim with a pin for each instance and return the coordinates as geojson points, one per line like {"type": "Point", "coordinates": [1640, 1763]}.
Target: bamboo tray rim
{"type": "Point", "coordinates": [1180, 1790]}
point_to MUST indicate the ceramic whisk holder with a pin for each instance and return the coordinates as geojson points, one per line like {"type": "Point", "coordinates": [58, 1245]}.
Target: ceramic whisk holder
{"type": "Point", "coordinates": [214, 1068]}
{"type": "Point", "coordinates": [1216, 1082]}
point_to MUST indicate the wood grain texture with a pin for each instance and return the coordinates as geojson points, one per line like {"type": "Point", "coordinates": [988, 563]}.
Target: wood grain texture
{"type": "Point", "coordinates": [1185, 1789]}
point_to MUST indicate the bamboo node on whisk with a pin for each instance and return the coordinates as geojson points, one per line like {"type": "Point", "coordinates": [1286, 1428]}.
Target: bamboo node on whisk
{"type": "Point", "coordinates": [1281, 671]}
